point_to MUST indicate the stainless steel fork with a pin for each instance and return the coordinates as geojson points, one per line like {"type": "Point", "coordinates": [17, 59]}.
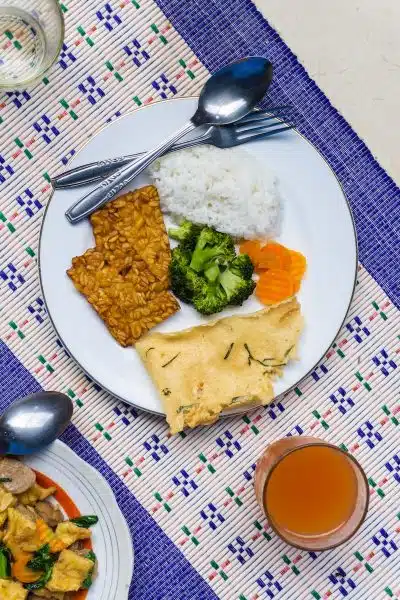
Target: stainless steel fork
{"type": "Point", "coordinates": [256, 126]}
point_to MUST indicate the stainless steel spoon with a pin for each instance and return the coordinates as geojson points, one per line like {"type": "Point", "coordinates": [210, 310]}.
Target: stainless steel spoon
{"type": "Point", "coordinates": [31, 423]}
{"type": "Point", "coordinates": [229, 95]}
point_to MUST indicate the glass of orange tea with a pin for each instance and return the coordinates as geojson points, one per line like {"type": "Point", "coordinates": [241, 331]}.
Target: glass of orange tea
{"type": "Point", "coordinates": [314, 495]}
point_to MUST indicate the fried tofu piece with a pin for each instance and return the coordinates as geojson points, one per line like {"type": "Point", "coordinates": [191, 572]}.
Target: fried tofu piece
{"type": "Point", "coordinates": [69, 572]}
{"type": "Point", "coordinates": [21, 532]}
{"type": "Point", "coordinates": [126, 276]}
{"type": "Point", "coordinates": [68, 533]}
{"type": "Point", "coordinates": [6, 499]}
{"type": "Point", "coordinates": [3, 517]}
{"type": "Point", "coordinates": [12, 590]}
{"type": "Point", "coordinates": [35, 494]}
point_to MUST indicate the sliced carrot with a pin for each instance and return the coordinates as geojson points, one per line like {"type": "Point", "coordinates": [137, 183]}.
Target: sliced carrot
{"type": "Point", "coordinates": [296, 285]}
{"type": "Point", "coordinates": [298, 264]}
{"type": "Point", "coordinates": [15, 549]}
{"type": "Point", "coordinates": [44, 532]}
{"type": "Point", "coordinates": [275, 285]}
{"type": "Point", "coordinates": [22, 572]}
{"type": "Point", "coordinates": [252, 248]}
{"type": "Point", "coordinates": [273, 256]}
{"type": "Point", "coordinates": [56, 545]}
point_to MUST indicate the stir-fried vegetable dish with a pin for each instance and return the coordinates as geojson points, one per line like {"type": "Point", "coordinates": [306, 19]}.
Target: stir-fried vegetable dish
{"type": "Point", "coordinates": [42, 555]}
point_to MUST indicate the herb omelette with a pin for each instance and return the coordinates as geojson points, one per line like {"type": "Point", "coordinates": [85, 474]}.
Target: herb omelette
{"type": "Point", "coordinates": [223, 364]}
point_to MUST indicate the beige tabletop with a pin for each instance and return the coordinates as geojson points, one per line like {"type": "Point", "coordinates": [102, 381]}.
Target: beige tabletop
{"type": "Point", "coordinates": [351, 48]}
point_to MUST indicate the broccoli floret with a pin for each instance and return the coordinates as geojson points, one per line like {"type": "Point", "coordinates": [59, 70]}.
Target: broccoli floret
{"type": "Point", "coordinates": [212, 245]}
{"type": "Point", "coordinates": [236, 288]}
{"type": "Point", "coordinates": [181, 256]}
{"type": "Point", "coordinates": [212, 272]}
{"type": "Point", "coordinates": [187, 234]}
{"type": "Point", "coordinates": [205, 270]}
{"type": "Point", "coordinates": [242, 266]}
{"type": "Point", "coordinates": [210, 299]}
{"type": "Point", "coordinates": [184, 281]}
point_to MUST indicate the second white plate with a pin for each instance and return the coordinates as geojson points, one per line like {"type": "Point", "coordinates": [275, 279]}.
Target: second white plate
{"type": "Point", "coordinates": [93, 496]}
{"type": "Point", "coordinates": [317, 221]}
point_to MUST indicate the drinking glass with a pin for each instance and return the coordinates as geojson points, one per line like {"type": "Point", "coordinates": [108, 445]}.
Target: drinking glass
{"type": "Point", "coordinates": [31, 36]}
{"type": "Point", "coordinates": [272, 457]}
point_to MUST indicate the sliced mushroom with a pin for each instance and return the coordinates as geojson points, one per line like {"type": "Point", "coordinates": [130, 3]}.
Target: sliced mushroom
{"type": "Point", "coordinates": [17, 477]}
{"type": "Point", "coordinates": [27, 511]}
{"type": "Point", "coordinates": [43, 593]}
{"type": "Point", "coordinates": [76, 546]}
{"type": "Point", "coordinates": [51, 514]}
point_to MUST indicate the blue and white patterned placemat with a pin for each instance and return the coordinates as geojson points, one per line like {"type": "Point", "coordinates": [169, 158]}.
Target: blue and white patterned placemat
{"type": "Point", "coordinates": [189, 499]}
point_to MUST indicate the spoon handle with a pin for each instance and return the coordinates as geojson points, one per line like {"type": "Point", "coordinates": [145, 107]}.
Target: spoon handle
{"type": "Point", "coordinates": [108, 188]}
{"type": "Point", "coordinates": [95, 171]}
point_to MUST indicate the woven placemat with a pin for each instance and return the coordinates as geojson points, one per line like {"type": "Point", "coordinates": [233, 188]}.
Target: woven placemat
{"type": "Point", "coordinates": [189, 499]}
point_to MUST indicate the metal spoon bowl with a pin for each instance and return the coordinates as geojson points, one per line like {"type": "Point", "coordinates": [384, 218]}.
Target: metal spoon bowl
{"type": "Point", "coordinates": [34, 422]}
{"type": "Point", "coordinates": [233, 91]}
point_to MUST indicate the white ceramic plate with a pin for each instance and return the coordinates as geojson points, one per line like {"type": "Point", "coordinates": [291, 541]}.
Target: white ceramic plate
{"type": "Point", "coordinates": [92, 495]}
{"type": "Point", "coordinates": [317, 221]}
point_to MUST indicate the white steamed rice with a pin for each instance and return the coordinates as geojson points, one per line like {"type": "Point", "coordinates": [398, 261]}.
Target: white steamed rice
{"type": "Point", "coordinates": [229, 190]}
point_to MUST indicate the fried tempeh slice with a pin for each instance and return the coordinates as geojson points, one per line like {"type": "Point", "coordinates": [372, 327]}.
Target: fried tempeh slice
{"type": "Point", "coordinates": [130, 300]}
{"type": "Point", "coordinates": [134, 222]}
{"type": "Point", "coordinates": [124, 280]}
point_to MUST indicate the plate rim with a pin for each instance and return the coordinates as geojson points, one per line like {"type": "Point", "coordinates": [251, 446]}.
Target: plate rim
{"type": "Point", "coordinates": [225, 414]}
{"type": "Point", "coordinates": [60, 448]}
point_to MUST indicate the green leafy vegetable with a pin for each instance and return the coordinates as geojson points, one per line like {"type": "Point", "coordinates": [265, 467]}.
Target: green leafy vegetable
{"type": "Point", "coordinates": [40, 583]}
{"type": "Point", "coordinates": [288, 351]}
{"type": "Point", "coordinates": [91, 555]}
{"type": "Point", "coordinates": [5, 479]}
{"type": "Point", "coordinates": [87, 582]}
{"type": "Point", "coordinates": [186, 407]}
{"type": "Point", "coordinates": [85, 521]}
{"type": "Point", "coordinates": [170, 361]}
{"type": "Point", "coordinates": [250, 357]}
{"type": "Point", "coordinates": [43, 560]}
{"type": "Point", "coordinates": [229, 350]}
{"type": "Point", "coordinates": [236, 399]}
{"type": "Point", "coordinates": [5, 562]}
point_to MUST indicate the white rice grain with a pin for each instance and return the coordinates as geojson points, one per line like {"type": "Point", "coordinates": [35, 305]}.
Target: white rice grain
{"type": "Point", "coordinates": [229, 190]}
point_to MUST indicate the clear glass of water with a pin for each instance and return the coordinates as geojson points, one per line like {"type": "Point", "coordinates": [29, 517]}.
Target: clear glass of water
{"type": "Point", "coordinates": [31, 36]}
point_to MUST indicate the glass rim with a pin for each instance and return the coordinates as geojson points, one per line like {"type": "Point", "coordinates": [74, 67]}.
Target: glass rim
{"type": "Point", "coordinates": [344, 453]}
{"type": "Point", "coordinates": [34, 80]}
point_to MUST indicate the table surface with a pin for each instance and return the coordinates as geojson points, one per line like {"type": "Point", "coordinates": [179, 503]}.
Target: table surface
{"type": "Point", "coordinates": [188, 500]}
{"type": "Point", "coordinates": [352, 51]}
